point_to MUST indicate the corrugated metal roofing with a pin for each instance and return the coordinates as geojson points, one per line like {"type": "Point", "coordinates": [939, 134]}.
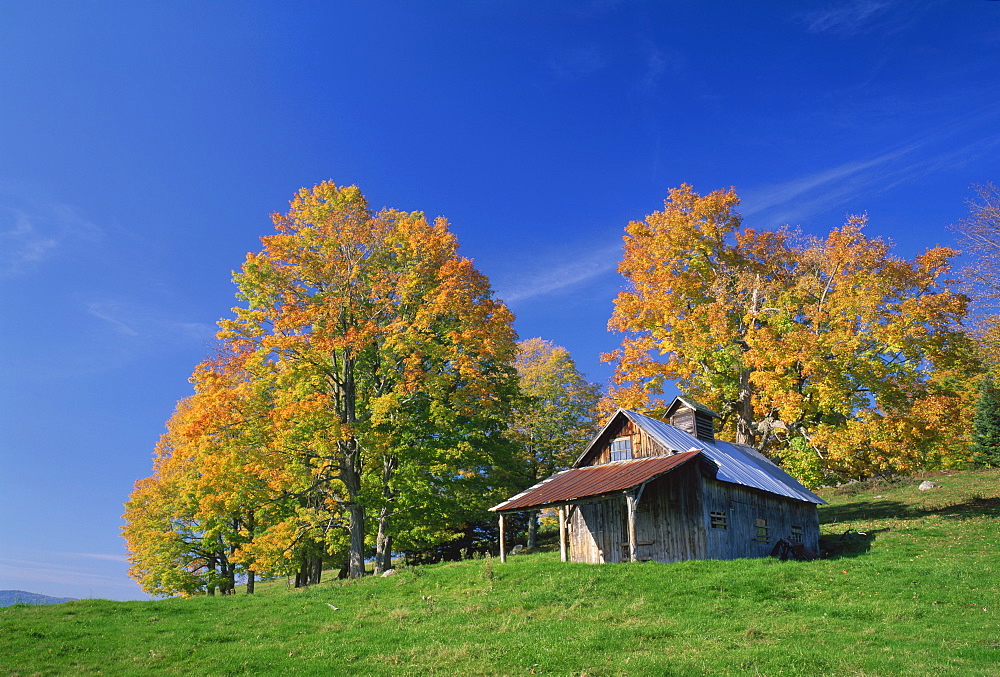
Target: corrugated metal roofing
{"type": "Point", "coordinates": [737, 463]}
{"type": "Point", "coordinates": [594, 480]}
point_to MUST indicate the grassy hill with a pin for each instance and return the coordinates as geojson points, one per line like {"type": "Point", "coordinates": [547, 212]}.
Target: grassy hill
{"type": "Point", "coordinates": [911, 585]}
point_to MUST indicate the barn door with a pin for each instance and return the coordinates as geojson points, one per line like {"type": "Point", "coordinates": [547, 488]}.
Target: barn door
{"type": "Point", "coordinates": [719, 529]}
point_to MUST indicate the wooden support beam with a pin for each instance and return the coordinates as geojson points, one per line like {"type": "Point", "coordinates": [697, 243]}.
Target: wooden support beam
{"type": "Point", "coordinates": [503, 542]}
{"type": "Point", "coordinates": [562, 533]}
{"type": "Point", "coordinates": [630, 505]}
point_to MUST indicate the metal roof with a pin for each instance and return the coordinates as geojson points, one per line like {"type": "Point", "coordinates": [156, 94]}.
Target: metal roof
{"type": "Point", "coordinates": [737, 463]}
{"type": "Point", "coordinates": [594, 480]}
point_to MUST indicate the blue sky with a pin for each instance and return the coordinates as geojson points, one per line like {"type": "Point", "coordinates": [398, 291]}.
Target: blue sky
{"type": "Point", "coordinates": [144, 145]}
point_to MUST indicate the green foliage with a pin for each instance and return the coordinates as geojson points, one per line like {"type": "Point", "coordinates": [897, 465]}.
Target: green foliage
{"type": "Point", "coordinates": [556, 416]}
{"type": "Point", "coordinates": [800, 459]}
{"type": "Point", "coordinates": [911, 590]}
{"type": "Point", "coordinates": [986, 425]}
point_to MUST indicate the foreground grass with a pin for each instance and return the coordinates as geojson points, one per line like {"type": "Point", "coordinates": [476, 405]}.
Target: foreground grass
{"type": "Point", "coordinates": [910, 587]}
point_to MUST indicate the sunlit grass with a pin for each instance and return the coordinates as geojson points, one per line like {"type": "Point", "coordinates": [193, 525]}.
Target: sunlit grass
{"type": "Point", "coordinates": [911, 587]}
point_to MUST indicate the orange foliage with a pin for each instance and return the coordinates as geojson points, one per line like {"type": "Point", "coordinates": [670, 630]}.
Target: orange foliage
{"type": "Point", "coordinates": [831, 353]}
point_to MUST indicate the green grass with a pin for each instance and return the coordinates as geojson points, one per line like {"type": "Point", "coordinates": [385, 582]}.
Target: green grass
{"type": "Point", "coordinates": [910, 588]}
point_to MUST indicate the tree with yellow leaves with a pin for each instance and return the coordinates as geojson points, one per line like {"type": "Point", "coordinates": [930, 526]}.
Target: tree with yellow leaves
{"type": "Point", "coordinates": [830, 353]}
{"type": "Point", "coordinates": [362, 403]}
{"type": "Point", "coordinates": [556, 416]}
{"type": "Point", "coordinates": [390, 364]}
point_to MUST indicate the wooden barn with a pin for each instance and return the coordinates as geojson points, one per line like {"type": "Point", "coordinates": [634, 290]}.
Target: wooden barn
{"type": "Point", "coordinates": [648, 490]}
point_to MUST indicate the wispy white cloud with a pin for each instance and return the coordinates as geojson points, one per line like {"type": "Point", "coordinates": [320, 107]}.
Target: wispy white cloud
{"type": "Point", "coordinates": [845, 18]}
{"type": "Point", "coordinates": [765, 198]}
{"type": "Point", "coordinates": [31, 234]}
{"type": "Point", "coordinates": [562, 272]}
{"type": "Point", "coordinates": [139, 322]}
{"type": "Point", "coordinates": [107, 311]}
{"type": "Point", "coordinates": [656, 65]}
{"type": "Point", "coordinates": [22, 245]}
{"type": "Point", "coordinates": [794, 200]}
{"type": "Point", "coordinates": [109, 557]}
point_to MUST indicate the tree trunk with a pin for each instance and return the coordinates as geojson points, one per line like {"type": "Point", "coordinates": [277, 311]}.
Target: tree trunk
{"type": "Point", "coordinates": [211, 576]}
{"type": "Point", "coordinates": [350, 475]}
{"type": "Point", "coordinates": [383, 540]}
{"type": "Point", "coordinates": [383, 548]}
{"type": "Point", "coordinates": [310, 571]}
{"type": "Point", "coordinates": [351, 467]}
{"type": "Point", "coordinates": [356, 526]}
{"type": "Point", "coordinates": [532, 529]}
{"type": "Point", "coordinates": [250, 581]}
{"type": "Point", "coordinates": [745, 433]}
{"type": "Point", "coordinates": [315, 569]}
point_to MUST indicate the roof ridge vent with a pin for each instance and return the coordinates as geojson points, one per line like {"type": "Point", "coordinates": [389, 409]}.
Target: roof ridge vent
{"type": "Point", "coordinates": [693, 418]}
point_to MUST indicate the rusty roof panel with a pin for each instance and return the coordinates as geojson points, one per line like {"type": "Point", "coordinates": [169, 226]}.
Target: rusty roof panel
{"type": "Point", "coordinates": [594, 480]}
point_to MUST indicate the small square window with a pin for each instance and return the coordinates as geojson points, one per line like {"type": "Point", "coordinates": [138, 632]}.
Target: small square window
{"type": "Point", "coordinates": [621, 449]}
{"type": "Point", "coordinates": [717, 519]}
{"type": "Point", "coordinates": [761, 530]}
{"type": "Point", "coordinates": [796, 536]}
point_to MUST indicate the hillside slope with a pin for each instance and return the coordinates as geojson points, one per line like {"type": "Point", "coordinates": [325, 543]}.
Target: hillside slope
{"type": "Point", "coordinates": [910, 586]}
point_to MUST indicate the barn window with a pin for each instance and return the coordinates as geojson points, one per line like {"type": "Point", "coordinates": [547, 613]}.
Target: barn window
{"type": "Point", "coordinates": [621, 449]}
{"type": "Point", "coordinates": [796, 536]}
{"type": "Point", "coordinates": [717, 518]}
{"type": "Point", "coordinates": [761, 530]}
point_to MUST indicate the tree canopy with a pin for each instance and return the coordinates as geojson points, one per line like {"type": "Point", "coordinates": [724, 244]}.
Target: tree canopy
{"type": "Point", "coordinates": [832, 353]}
{"type": "Point", "coordinates": [374, 373]}
{"type": "Point", "coordinates": [556, 415]}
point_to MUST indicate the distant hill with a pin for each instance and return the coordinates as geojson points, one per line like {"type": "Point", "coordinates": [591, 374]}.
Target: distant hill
{"type": "Point", "coordinates": [8, 597]}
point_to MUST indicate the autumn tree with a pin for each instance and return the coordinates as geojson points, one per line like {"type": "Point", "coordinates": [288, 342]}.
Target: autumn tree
{"type": "Point", "coordinates": [555, 418]}
{"type": "Point", "coordinates": [831, 353]}
{"type": "Point", "coordinates": [217, 494]}
{"type": "Point", "coordinates": [388, 360]}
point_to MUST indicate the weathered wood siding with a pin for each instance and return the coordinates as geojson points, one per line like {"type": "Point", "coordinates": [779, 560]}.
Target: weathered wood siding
{"type": "Point", "coordinates": [742, 508]}
{"type": "Point", "coordinates": [596, 531]}
{"type": "Point", "coordinates": [674, 522]}
{"type": "Point", "coordinates": [643, 445]}
{"type": "Point", "coordinates": [668, 521]}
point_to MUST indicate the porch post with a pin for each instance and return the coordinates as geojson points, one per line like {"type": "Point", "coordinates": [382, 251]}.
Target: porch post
{"type": "Point", "coordinates": [630, 505]}
{"type": "Point", "coordinates": [562, 533]}
{"type": "Point", "coordinates": [503, 542]}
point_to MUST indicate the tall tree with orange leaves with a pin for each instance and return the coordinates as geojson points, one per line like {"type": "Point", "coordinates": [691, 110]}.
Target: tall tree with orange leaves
{"type": "Point", "coordinates": [219, 494]}
{"type": "Point", "coordinates": [831, 353]}
{"type": "Point", "coordinates": [389, 362]}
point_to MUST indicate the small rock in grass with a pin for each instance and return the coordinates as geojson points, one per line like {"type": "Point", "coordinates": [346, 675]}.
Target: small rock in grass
{"type": "Point", "coordinates": [388, 572]}
{"type": "Point", "coordinates": [927, 485]}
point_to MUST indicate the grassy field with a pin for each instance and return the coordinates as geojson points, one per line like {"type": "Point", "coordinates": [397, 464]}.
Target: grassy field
{"type": "Point", "coordinates": [911, 585]}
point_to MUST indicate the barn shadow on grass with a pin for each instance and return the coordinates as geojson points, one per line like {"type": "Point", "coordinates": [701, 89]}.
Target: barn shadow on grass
{"type": "Point", "coordinates": [848, 544]}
